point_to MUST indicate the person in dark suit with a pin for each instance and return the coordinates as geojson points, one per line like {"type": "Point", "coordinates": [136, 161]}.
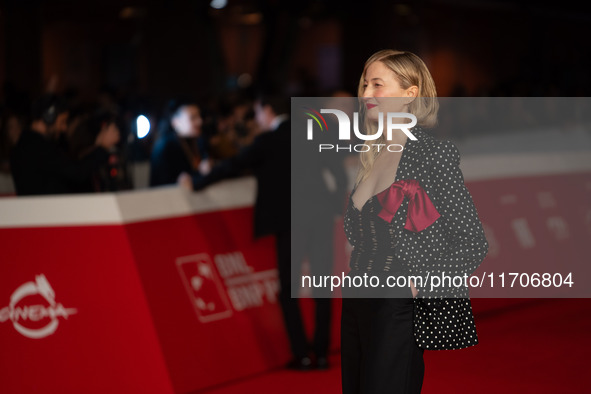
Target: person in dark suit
{"type": "Point", "coordinates": [318, 189]}
{"type": "Point", "coordinates": [411, 216]}
{"type": "Point", "coordinates": [268, 157]}
{"type": "Point", "coordinates": [181, 146]}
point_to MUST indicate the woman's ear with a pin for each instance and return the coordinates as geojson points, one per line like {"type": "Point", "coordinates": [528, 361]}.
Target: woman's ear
{"type": "Point", "coordinates": [412, 93]}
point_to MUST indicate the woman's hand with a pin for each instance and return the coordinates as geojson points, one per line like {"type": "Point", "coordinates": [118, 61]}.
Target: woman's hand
{"type": "Point", "coordinates": [413, 289]}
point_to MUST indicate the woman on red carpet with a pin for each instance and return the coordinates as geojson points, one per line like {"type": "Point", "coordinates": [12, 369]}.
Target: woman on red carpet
{"type": "Point", "coordinates": [409, 215]}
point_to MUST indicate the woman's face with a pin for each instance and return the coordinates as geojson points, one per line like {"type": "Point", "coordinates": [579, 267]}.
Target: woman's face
{"type": "Point", "coordinates": [380, 85]}
{"type": "Point", "coordinates": [187, 122]}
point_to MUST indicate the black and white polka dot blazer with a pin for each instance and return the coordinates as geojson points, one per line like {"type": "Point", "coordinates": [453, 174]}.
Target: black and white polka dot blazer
{"type": "Point", "coordinates": [454, 244]}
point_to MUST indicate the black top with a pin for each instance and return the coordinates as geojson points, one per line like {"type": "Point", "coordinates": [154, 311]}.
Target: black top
{"type": "Point", "coordinates": [373, 238]}
{"type": "Point", "coordinates": [39, 166]}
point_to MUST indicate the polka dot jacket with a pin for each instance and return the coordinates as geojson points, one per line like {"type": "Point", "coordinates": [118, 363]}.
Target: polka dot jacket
{"type": "Point", "coordinates": [454, 244]}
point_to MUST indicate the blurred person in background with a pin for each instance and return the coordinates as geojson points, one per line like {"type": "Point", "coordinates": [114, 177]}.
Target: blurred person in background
{"type": "Point", "coordinates": [40, 165]}
{"type": "Point", "coordinates": [224, 143]}
{"type": "Point", "coordinates": [110, 176]}
{"type": "Point", "coordinates": [318, 190]}
{"type": "Point", "coordinates": [235, 128]}
{"type": "Point", "coordinates": [11, 125]}
{"type": "Point", "coordinates": [269, 159]}
{"type": "Point", "coordinates": [181, 146]}
{"type": "Point", "coordinates": [245, 124]}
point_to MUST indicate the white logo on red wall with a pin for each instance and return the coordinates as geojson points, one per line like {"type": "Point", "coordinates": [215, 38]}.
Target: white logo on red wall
{"type": "Point", "coordinates": [33, 310]}
{"type": "Point", "coordinates": [227, 284]}
{"type": "Point", "coordinates": [204, 287]}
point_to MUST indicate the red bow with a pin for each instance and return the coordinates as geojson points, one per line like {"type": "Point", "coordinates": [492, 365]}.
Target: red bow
{"type": "Point", "coordinates": [421, 211]}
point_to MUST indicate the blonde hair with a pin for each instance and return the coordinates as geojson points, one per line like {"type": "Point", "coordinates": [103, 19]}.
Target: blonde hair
{"type": "Point", "coordinates": [409, 70]}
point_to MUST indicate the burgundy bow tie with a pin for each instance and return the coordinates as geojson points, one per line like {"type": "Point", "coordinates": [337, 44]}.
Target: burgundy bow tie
{"type": "Point", "coordinates": [421, 211]}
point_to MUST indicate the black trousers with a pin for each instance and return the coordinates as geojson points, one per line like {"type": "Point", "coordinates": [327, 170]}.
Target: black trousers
{"type": "Point", "coordinates": [289, 265]}
{"type": "Point", "coordinates": [378, 352]}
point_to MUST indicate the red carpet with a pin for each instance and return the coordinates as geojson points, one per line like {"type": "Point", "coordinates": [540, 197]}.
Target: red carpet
{"type": "Point", "coordinates": [526, 346]}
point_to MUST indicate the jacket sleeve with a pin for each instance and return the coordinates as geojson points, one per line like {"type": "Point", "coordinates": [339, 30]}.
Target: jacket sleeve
{"type": "Point", "coordinates": [466, 242]}
{"type": "Point", "coordinates": [247, 158]}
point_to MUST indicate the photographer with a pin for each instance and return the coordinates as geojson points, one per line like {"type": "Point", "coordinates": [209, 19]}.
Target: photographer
{"type": "Point", "coordinates": [40, 166]}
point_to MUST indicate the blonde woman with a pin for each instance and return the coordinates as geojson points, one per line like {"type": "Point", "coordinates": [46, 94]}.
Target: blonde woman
{"type": "Point", "coordinates": [408, 215]}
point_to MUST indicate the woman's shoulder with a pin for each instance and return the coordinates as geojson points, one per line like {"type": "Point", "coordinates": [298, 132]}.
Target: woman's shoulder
{"type": "Point", "coordinates": [440, 150]}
